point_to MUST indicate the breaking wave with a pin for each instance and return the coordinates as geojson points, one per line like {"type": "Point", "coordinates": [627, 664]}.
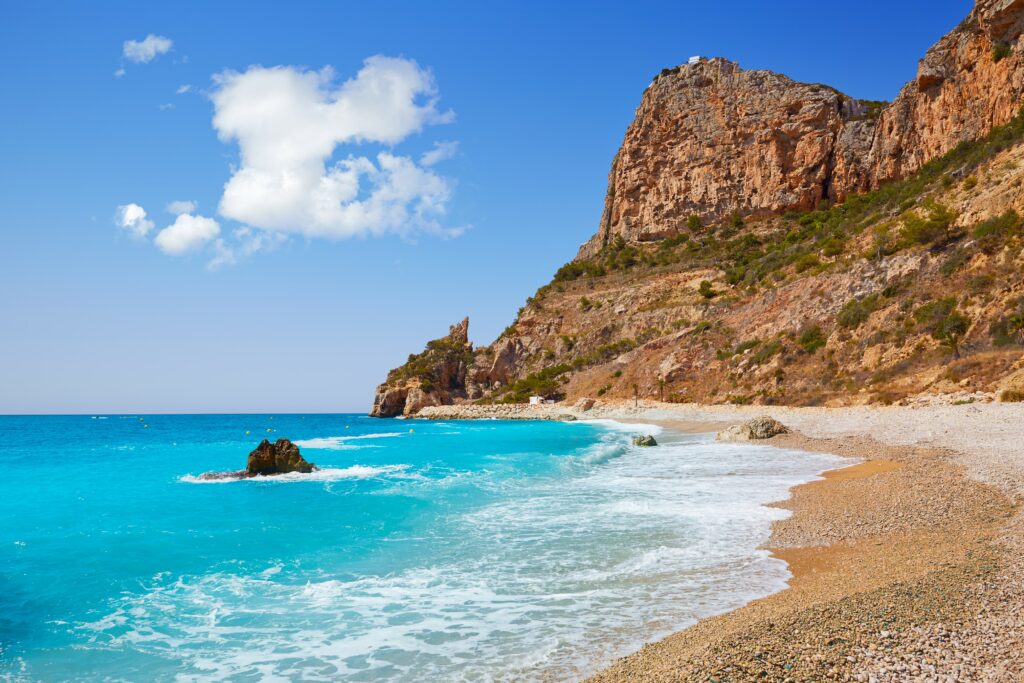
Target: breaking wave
{"type": "Point", "coordinates": [321, 474]}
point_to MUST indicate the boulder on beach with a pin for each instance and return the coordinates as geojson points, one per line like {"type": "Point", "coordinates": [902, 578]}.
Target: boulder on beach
{"type": "Point", "coordinates": [763, 427]}
{"type": "Point", "coordinates": [645, 440]}
{"type": "Point", "coordinates": [584, 404]}
{"type": "Point", "coordinates": [280, 457]}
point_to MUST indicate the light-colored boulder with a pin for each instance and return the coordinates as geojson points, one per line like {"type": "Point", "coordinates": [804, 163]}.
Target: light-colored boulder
{"type": "Point", "coordinates": [763, 427]}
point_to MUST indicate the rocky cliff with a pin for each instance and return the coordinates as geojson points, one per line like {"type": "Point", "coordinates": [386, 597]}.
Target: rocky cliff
{"type": "Point", "coordinates": [437, 376]}
{"type": "Point", "coordinates": [769, 241]}
{"type": "Point", "coordinates": [711, 140]}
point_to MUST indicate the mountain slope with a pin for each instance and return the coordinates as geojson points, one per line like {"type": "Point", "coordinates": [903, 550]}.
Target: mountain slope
{"type": "Point", "coordinates": [776, 242]}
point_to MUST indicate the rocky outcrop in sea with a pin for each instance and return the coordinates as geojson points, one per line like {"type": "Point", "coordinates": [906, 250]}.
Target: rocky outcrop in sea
{"type": "Point", "coordinates": [266, 460]}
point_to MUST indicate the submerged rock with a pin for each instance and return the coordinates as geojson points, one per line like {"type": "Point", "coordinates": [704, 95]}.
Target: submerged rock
{"type": "Point", "coordinates": [762, 427]}
{"type": "Point", "coordinates": [281, 457]}
{"type": "Point", "coordinates": [645, 440]}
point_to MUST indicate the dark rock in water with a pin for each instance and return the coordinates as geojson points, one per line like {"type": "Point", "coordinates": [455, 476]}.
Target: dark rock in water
{"type": "Point", "coordinates": [267, 460]}
{"type": "Point", "coordinates": [281, 457]}
{"type": "Point", "coordinates": [645, 440]}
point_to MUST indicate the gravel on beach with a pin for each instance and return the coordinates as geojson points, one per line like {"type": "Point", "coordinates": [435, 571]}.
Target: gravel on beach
{"type": "Point", "coordinates": [907, 567]}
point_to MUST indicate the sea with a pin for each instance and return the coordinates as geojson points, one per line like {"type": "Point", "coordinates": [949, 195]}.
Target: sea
{"type": "Point", "coordinates": [418, 551]}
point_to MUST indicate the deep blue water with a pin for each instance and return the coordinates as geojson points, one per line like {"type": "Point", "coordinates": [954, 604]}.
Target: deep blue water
{"type": "Point", "coordinates": [419, 551]}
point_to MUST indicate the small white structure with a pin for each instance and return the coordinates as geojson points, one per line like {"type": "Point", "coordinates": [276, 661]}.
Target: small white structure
{"type": "Point", "coordinates": [536, 400]}
{"type": "Point", "coordinates": [694, 59]}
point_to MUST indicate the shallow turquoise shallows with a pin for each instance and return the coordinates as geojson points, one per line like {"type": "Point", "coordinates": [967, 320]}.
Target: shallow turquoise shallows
{"type": "Point", "coordinates": [419, 551]}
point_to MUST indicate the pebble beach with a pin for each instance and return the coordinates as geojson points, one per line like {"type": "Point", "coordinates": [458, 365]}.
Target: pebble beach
{"type": "Point", "coordinates": [906, 566]}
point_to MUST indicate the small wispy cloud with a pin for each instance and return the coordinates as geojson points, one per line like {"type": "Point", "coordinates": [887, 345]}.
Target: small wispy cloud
{"type": "Point", "coordinates": [247, 241]}
{"type": "Point", "coordinates": [165, 106]}
{"type": "Point", "coordinates": [146, 50]}
{"type": "Point", "coordinates": [182, 206]}
{"type": "Point", "coordinates": [183, 88]}
{"type": "Point", "coordinates": [440, 152]}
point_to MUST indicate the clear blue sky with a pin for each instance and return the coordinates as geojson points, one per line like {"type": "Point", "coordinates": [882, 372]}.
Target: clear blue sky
{"type": "Point", "coordinates": [304, 310]}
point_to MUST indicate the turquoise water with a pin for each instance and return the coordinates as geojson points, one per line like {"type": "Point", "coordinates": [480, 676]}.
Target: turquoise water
{"type": "Point", "coordinates": [458, 551]}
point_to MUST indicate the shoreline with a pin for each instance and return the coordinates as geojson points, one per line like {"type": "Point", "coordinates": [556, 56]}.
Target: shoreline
{"type": "Point", "coordinates": [906, 565]}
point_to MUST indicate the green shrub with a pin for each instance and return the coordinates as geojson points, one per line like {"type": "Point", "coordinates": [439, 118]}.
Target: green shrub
{"type": "Point", "coordinates": [726, 353]}
{"type": "Point", "coordinates": [747, 345]}
{"type": "Point", "coordinates": [577, 269]}
{"type": "Point", "coordinates": [981, 283]}
{"type": "Point", "coordinates": [1000, 51]}
{"type": "Point", "coordinates": [1009, 328]}
{"type": "Point", "coordinates": [856, 311]}
{"type": "Point", "coordinates": [934, 312]}
{"type": "Point", "coordinates": [833, 247]}
{"type": "Point", "coordinates": [586, 304]}
{"type": "Point", "coordinates": [706, 290]}
{"type": "Point", "coordinates": [766, 352]}
{"type": "Point", "coordinates": [991, 234]}
{"type": "Point", "coordinates": [950, 332]}
{"type": "Point", "coordinates": [956, 260]}
{"type": "Point", "coordinates": [806, 262]}
{"type": "Point", "coordinates": [970, 182]}
{"type": "Point", "coordinates": [811, 339]}
{"type": "Point", "coordinates": [944, 323]}
{"type": "Point", "coordinates": [935, 225]}
{"type": "Point", "coordinates": [694, 222]}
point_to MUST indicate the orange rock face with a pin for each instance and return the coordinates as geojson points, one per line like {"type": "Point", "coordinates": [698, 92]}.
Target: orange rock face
{"type": "Point", "coordinates": [710, 139]}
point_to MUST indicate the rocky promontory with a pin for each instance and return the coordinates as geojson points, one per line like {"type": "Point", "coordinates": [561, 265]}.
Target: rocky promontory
{"type": "Point", "coordinates": [768, 242]}
{"type": "Point", "coordinates": [436, 376]}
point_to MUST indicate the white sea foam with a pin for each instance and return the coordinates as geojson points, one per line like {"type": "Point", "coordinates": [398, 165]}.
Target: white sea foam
{"type": "Point", "coordinates": [626, 546]}
{"type": "Point", "coordinates": [340, 443]}
{"type": "Point", "coordinates": [628, 427]}
{"type": "Point", "coordinates": [319, 474]}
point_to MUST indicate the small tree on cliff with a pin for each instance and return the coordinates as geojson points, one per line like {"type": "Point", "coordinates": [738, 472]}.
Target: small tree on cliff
{"type": "Point", "coordinates": [951, 330]}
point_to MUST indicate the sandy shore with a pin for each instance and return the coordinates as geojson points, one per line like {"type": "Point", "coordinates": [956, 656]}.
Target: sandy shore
{"type": "Point", "coordinates": [907, 567]}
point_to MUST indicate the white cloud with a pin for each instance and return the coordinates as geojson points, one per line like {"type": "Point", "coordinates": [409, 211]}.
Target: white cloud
{"type": "Point", "coordinates": [248, 241]}
{"type": "Point", "coordinates": [146, 50]}
{"type": "Point", "coordinates": [182, 89]}
{"type": "Point", "coordinates": [440, 152]}
{"type": "Point", "coordinates": [119, 73]}
{"type": "Point", "coordinates": [186, 234]}
{"type": "Point", "coordinates": [132, 218]}
{"type": "Point", "coordinates": [182, 206]}
{"type": "Point", "coordinates": [165, 106]}
{"type": "Point", "coordinates": [288, 123]}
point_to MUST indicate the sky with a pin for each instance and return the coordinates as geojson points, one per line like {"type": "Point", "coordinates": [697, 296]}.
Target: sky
{"type": "Point", "coordinates": [263, 207]}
